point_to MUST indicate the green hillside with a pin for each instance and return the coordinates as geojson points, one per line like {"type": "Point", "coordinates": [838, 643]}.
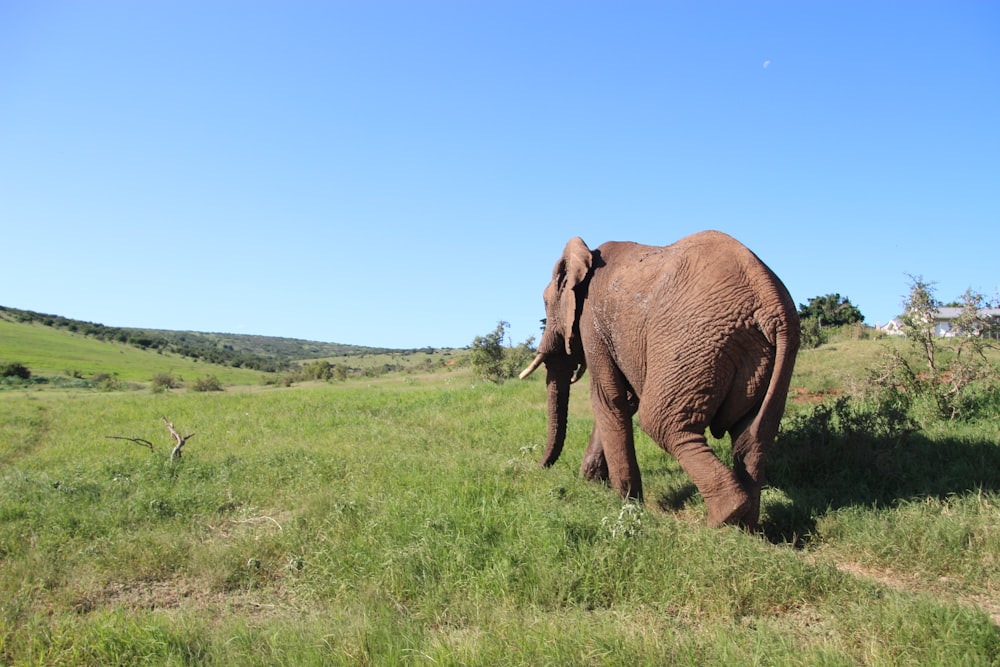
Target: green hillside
{"type": "Point", "coordinates": [50, 352]}
{"type": "Point", "coordinates": [62, 352]}
{"type": "Point", "coordinates": [262, 353]}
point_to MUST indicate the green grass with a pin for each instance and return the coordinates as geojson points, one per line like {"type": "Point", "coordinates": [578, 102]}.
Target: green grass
{"type": "Point", "coordinates": [403, 520]}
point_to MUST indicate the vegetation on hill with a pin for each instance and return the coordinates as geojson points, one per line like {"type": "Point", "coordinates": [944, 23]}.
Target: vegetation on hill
{"type": "Point", "coordinates": [39, 356]}
{"type": "Point", "coordinates": [262, 353]}
{"type": "Point", "coordinates": [56, 358]}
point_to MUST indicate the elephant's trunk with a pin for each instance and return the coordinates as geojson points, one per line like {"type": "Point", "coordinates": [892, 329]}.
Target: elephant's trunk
{"type": "Point", "coordinates": [557, 380]}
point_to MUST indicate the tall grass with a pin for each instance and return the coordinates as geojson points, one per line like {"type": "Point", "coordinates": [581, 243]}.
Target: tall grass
{"type": "Point", "coordinates": [406, 522]}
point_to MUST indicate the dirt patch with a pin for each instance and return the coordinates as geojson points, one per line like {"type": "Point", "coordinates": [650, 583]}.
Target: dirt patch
{"type": "Point", "coordinates": [942, 588]}
{"type": "Point", "coordinates": [803, 396]}
{"type": "Point", "coordinates": [184, 596]}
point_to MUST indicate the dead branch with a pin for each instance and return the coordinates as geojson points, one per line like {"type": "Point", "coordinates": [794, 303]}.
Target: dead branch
{"type": "Point", "coordinates": [179, 440]}
{"type": "Point", "coordinates": [176, 453]}
{"type": "Point", "coordinates": [138, 441]}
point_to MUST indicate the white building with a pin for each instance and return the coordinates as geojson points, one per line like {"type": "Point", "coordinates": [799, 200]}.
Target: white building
{"type": "Point", "coordinates": [944, 320]}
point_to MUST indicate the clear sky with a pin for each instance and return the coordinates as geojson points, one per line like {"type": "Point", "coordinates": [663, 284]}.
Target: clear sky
{"type": "Point", "coordinates": [406, 173]}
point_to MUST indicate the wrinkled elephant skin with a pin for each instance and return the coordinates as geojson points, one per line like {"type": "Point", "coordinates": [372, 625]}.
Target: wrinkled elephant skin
{"type": "Point", "coordinates": [692, 336]}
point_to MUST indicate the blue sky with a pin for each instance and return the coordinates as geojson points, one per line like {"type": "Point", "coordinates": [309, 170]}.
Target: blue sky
{"type": "Point", "coordinates": [405, 174]}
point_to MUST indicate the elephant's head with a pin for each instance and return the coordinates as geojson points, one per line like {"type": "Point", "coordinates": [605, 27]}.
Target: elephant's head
{"type": "Point", "coordinates": [560, 348]}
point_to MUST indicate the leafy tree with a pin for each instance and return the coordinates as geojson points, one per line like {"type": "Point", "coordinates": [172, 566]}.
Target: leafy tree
{"type": "Point", "coordinates": [516, 358]}
{"type": "Point", "coordinates": [957, 371]}
{"type": "Point", "coordinates": [831, 310]}
{"type": "Point", "coordinates": [494, 362]}
{"type": "Point", "coordinates": [487, 354]}
{"type": "Point", "coordinates": [824, 313]}
{"type": "Point", "coordinates": [972, 325]}
{"type": "Point", "coordinates": [919, 310]}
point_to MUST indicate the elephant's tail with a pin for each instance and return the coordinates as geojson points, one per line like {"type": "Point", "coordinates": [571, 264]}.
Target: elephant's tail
{"type": "Point", "coordinates": [764, 427]}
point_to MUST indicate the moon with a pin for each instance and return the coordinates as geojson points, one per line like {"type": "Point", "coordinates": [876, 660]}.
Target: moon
{"type": "Point", "coordinates": [766, 63]}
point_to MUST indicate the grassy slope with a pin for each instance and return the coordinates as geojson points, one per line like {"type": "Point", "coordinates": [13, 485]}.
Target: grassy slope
{"type": "Point", "coordinates": [404, 521]}
{"type": "Point", "coordinates": [54, 352]}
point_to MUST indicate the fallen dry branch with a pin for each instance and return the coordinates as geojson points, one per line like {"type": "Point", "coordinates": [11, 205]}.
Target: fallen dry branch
{"type": "Point", "coordinates": [179, 440]}
{"type": "Point", "coordinates": [138, 441]}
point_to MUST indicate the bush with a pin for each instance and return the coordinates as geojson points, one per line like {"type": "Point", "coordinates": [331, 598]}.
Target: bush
{"type": "Point", "coordinates": [163, 381]}
{"type": "Point", "coordinates": [495, 363]}
{"type": "Point", "coordinates": [847, 444]}
{"type": "Point", "coordinates": [207, 383]}
{"type": "Point", "coordinates": [107, 382]}
{"type": "Point", "coordinates": [14, 370]}
{"type": "Point", "coordinates": [812, 333]}
{"type": "Point", "coordinates": [317, 370]}
{"type": "Point", "coordinates": [957, 382]}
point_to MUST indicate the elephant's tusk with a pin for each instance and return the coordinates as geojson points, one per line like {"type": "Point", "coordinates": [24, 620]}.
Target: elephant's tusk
{"type": "Point", "coordinates": [532, 367]}
{"type": "Point", "coordinates": [580, 370]}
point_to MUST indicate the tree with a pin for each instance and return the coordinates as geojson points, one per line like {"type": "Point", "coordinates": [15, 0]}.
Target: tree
{"type": "Point", "coordinates": [487, 354]}
{"type": "Point", "coordinates": [494, 362]}
{"type": "Point", "coordinates": [919, 311]}
{"type": "Point", "coordinates": [956, 365]}
{"type": "Point", "coordinates": [831, 310]}
{"type": "Point", "coordinates": [823, 313]}
{"type": "Point", "coordinates": [972, 326]}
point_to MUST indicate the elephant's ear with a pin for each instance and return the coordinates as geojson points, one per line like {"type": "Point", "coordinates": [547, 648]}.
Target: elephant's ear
{"type": "Point", "coordinates": [574, 268]}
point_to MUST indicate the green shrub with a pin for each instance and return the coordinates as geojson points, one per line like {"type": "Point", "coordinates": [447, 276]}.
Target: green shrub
{"type": "Point", "coordinates": [14, 369]}
{"type": "Point", "coordinates": [848, 447]}
{"type": "Point", "coordinates": [812, 333]}
{"type": "Point", "coordinates": [317, 370]}
{"type": "Point", "coordinates": [494, 362]}
{"type": "Point", "coordinates": [207, 383]}
{"type": "Point", "coordinates": [163, 381]}
{"type": "Point", "coordinates": [107, 382]}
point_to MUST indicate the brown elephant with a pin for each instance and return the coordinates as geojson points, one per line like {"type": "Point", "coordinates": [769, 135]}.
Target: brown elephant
{"type": "Point", "coordinates": [696, 335]}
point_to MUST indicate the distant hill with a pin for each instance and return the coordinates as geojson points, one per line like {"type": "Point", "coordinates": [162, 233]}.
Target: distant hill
{"type": "Point", "coordinates": [262, 353]}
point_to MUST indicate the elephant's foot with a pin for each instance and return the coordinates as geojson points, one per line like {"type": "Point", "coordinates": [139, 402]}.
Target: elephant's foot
{"type": "Point", "coordinates": [750, 521]}
{"type": "Point", "coordinates": [729, 509]}
{"type": "Point", "coordinates": [595, 468]}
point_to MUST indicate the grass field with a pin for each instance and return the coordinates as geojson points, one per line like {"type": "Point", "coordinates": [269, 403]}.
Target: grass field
{"type": "Point", "coordinates": [404, 520]}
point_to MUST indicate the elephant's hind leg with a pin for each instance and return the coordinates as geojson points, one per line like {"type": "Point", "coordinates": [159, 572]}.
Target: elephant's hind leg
{"type": "Point", "coordinates": [725, 498]}
{"type": "Point", "coordinates": [749, 455]}
{"type": "Point", "coordinates": [749, 475]}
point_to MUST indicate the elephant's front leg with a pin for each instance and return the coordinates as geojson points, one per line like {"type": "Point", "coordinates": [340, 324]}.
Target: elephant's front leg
{"type": "Point", "coordinates": [595, 465]}
{"type": "Point", "coordinates": [613, 435]}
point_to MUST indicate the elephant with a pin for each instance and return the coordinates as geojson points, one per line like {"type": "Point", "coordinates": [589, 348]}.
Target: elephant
{"type": "Point", "coordinates": [694, 336]}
